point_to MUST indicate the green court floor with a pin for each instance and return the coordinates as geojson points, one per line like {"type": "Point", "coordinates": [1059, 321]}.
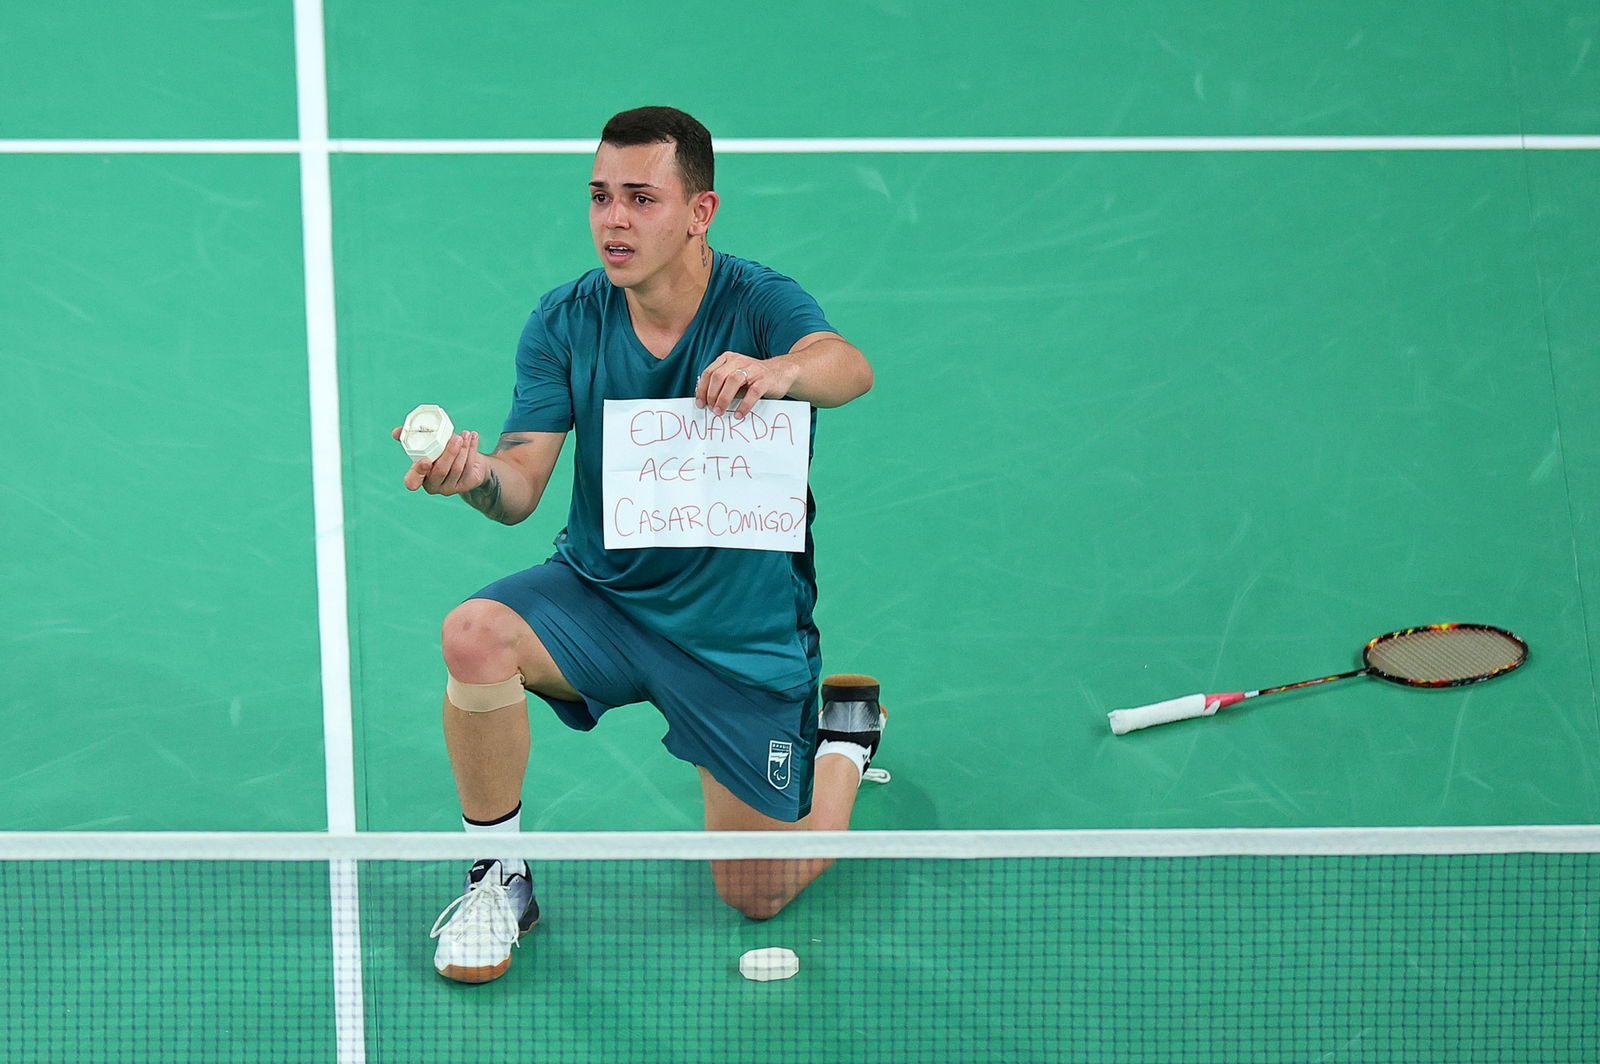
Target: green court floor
{"type": "Point", "coordinates": [1145, 422]}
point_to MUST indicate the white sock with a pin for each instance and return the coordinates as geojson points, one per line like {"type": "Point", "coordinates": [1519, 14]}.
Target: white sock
{"type": "Point", "coordinates": [507, 825]}
{"type": "Point", "coordinates": [857, 753]}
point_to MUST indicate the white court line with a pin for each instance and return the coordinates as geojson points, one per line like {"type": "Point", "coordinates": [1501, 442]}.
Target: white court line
{"type": "Point", "coordinates": [970, 145]}
{"type": "Point", "coordinates": [322, 356]}
{"type": "Point", "coordinates": [148, 147]}
{"type": "Point", "coordinates": [814, 145]}
{"type": "Point", "coordinates": [327, 490]}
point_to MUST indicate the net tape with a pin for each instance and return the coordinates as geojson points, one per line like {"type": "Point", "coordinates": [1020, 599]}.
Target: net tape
{"type": "Point", "coordinates": [709, 845]}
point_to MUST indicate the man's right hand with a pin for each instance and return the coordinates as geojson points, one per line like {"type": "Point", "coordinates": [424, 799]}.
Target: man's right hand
{"type": "Point", "coordinates": [459, 469]}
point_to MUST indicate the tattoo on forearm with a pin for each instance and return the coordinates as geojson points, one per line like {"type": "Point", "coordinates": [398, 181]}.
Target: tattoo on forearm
{"type": "Point", "coordinates": [486, 498]}
{"type": "Point", "coordinates": [509, 440]}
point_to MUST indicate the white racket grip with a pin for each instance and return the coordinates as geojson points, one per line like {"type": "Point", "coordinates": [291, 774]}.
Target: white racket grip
{"type": "Point", "coordinates": [1127, 720]}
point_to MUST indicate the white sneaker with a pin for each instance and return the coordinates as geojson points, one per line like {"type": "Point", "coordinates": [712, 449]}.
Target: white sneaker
{"type": "Point", "coordinates": [477, 931]}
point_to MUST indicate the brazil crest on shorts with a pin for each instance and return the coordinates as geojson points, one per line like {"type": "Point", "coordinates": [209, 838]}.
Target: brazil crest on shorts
{"type": "Point", "coordinates": [778, 759]}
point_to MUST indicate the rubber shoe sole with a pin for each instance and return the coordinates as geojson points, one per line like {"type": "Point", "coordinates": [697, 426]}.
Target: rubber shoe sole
{"type": "Point", "coordinates": [459, 974]}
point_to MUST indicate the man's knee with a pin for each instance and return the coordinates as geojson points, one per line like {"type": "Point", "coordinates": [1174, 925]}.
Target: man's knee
{"type": "Point", "coordinates": [485, 641]}
{"type": "Point", "coordinates": [754, 888]}
{"type": "Point", "coordinates": [480, 641]}
{"type": "Point", "coordinates": [755, 905]}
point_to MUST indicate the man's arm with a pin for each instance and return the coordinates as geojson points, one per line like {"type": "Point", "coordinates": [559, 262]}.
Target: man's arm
{"type": "Point", "coordinates": [506, 485]}
{"type": "Point", "coordinates": [822, 368]}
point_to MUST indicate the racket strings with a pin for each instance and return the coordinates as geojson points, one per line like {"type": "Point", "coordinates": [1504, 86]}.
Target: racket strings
{"type": "Point", "coordinates": [1447, 655]}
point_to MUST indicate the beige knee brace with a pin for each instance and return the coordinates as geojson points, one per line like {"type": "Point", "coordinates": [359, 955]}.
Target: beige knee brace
{"type": "Point", "coordinates": [485, 697]}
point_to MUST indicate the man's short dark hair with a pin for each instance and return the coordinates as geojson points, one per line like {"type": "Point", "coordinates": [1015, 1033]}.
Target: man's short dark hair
{"type": "Point", "coordinates": [662, 125]}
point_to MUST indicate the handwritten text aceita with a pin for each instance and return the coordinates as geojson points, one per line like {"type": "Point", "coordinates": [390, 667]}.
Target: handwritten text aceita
{"type": "Point", "coordinates": [678, 475]}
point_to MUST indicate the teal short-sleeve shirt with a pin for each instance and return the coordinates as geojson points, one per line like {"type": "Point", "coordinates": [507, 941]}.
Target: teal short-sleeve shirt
{"type": "Point", "coordinates": [743, 612]}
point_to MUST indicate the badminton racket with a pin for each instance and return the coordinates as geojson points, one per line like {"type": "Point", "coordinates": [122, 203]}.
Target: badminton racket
{"type": "Point", "coordinates": [1434, 655]}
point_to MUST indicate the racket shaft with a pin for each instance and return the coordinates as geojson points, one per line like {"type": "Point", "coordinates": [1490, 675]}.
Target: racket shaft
{"type": "Point", "coordinates": [1312, 683]}
{"type": "Point", "coordinates": [1127, 720]}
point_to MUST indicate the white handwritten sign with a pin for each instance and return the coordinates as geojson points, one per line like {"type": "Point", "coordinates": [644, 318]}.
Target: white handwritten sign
{"type": "Point", "coordinates": [674, 476]}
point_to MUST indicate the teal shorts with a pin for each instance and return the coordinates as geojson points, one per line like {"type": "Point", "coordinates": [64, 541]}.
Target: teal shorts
{"type": "Point", "coordinates": [759, 745]}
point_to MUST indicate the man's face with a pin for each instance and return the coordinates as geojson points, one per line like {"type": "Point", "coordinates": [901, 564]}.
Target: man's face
{"type": "Point", "coordinates": [638, 214]}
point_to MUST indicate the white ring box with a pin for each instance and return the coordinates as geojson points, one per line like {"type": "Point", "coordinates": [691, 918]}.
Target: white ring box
{"type": "Point", "coordinates": [770, 964]}
{"type": "Point", "coordinates": [426, 431]}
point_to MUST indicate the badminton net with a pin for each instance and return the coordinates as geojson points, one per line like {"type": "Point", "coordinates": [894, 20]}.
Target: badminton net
{"type": "Point", "coordinates": [1447, 945]}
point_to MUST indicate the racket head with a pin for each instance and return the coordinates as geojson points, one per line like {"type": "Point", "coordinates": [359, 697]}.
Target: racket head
{"type": "Point", "coordinates": [1444, 655]}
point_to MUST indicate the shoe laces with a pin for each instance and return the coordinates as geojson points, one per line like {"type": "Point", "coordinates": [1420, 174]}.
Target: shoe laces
{"type": "Point", "coordinates": [485, 904]}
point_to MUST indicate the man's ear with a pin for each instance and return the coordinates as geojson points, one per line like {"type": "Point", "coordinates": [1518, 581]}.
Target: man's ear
{"type": "Point", "coordinates": [705, 209]}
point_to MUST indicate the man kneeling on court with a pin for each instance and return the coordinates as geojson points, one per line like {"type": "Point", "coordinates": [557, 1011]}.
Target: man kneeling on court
{"type": "Point", "coordinates": [721, 640]}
